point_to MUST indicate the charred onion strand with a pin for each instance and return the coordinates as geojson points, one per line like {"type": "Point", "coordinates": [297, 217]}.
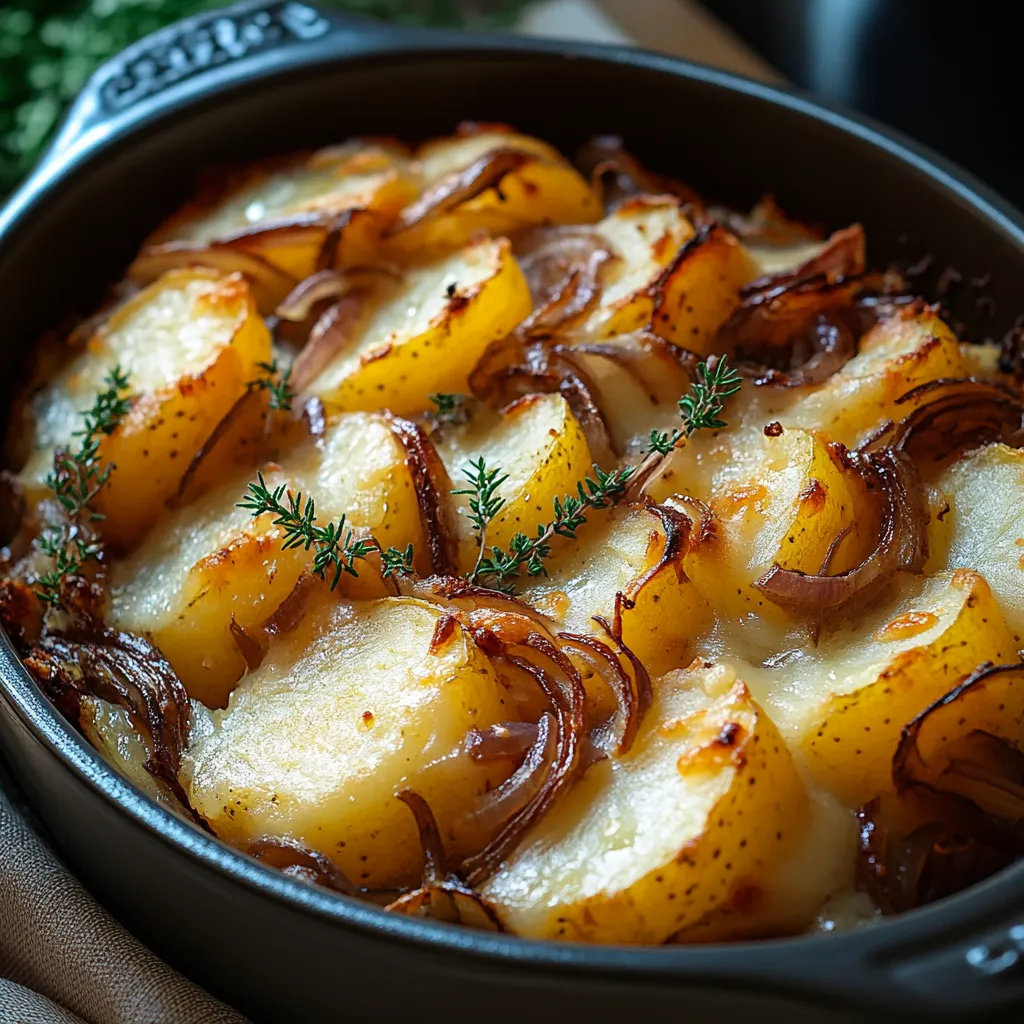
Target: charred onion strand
{"type": "Point", "coordinates": [129, 672]}
{"type": "Point", "coordinates": [296, 860]}
{"type": "Point", "coordinates": [522, 787]}
{"type": "Point", "coordinates": [442, 894]}
{"type": "Point", "coordinates": [619, 175]}
{"type": "Point", "coordinates": [901, 547]}
{"type": "Point", "coordinates": [433, 494]}
{"type": "Point", "coordinates": [335, 330]}
{"type": "Point", "coordinates": [500, 742]}
{"type": "Point", "coordinates": [459, 186]}
{"type": "Point", "coordinates": [964, 414]}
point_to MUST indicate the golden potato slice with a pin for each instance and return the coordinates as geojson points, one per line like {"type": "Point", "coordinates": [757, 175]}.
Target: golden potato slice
{"type": "Point", "coordinates": [357, 704]}
{"type": "Point", "coordinates": [650, 842]}
{"type": "Point", "coordinates": [646, 233]}
{"type": "Point", "coordinates": [538, 444]}
{"type": "Point", "coordinates": [212, 562]}
{"type": "Point", "coordinates": [875, 679]}
{"type": "Point", "coordinates": [282, 213]}
{"type": "Point", "coordinates": [543, 189]}
{"type": "Point", "coordinates": [190, 343]}
{"type": "Point", "coordinates": [951, 744]}
{"type": "Point", "coordinates": [809, 877]}
{"type": "Point", "coordinates": [982, 360]}
{"type": "Point", "coordinates": [625, 557]}
{"type": "Point", "coordinates": [702, 289]}
{"type": "Point", "coordinates": [781, 501]}
{"type": "Point", "coordinates": [900, 353]}
{"type": "Point", "coordinates": [979, 524]}
{"type": "Point", "coordinates": [425, 335]}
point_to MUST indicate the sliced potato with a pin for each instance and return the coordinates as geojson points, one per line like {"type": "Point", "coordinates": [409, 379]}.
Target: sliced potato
{"type": "Point", "coordinates": [357, 704]}
{"type": "Point", "coordinates": [425, 335]}
{"type": "Point", "coordinates": [282, 213]}
{"type": "Point", "coordinates": [882, 674]}
{"type": "Point", "coordinates": [703, 289]}
{"type": "Point", "coordinates": [212, 562]}
{"type": "Point", "coordinates": [910, 348]}
{"type": "Point", "coordinates": [649, 843]}
{"type": "Point", "coordinates": [538, 445]}
{"type": "Point", "coordinates": [979, 524]}
{"type": "Point", "coordinates": [190, 343]}
{"type": "Point", "coordinates": [646, 234]}
{"type": "Point", "coordinates": [624, 555]}
{"type": "Point", "coordinates": [813, 868]}
{"type": "Point", "coordinates": [781, 501]}
{"type": "Point", "coordinates": [544, 189]}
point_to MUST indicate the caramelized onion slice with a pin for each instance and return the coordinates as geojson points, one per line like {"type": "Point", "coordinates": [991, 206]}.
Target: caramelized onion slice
{"type": "Point", "coordinates": [842, 255]}
{"type": "Point", "coordinates": [442, 895]}
{"type": "Point", "coordinates": [564, 268]}
{"type": "Point", "coordinates": [296, 860]}
{"type": "Point", "coordinates": [461, 185]}
{"type": "Point", "coordinates": [129, 672]}
{"type": "Point", "coordinates": [335, 329]}
{"type": "Point", "coordinates": [433, 494]}
{"type": "Point", "coordinates": [503, 741]}
{"type": "Point", "coordinates": [957, 813]}
{"type": "Point", "coordinates": [901, 546]}
{"type": "Point", "coordinates": [921, 846]}
{"type": "Point", "coordinates": [799, 333]}
{"type": "Point", "coordinates": [619, 175]}
{"type": "Point", "coordinates": [522, 787]}
{"type": "Point", "coordinates": [963, 413]}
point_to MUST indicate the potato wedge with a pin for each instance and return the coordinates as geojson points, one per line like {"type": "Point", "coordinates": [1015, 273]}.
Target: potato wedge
{"type": "Point", "coordinates": [885, 672]}
{"type": "Point", "coordinates": [543, 189]}
{"type": "Point", "coordinates": [625, 557]}
{"type": "Point", "coordinates": [781, 501]}
{"type": "Point", "coordinates": [646, 234]}
{"type": "Point", "coordinates": [980, 525]}
{"type": "Point", "coordinates": [538, 444]}
{"type": "Point", "coordinates": [282, 212]}
{"type": "Point", "coordinates": [650, 842]}
{"type": "Point", "coordinates": [702, 289]}
{"type": "Point", "coordinates": [424, 335]}
{"type": "Point", "coordinates": [190, 343]}
{"type": "Point", "coordinates": [211, 563]}
{"type": "Point", "coordinates": [908, 349]}
{"type": "Point", "coordinates": [355, 705]}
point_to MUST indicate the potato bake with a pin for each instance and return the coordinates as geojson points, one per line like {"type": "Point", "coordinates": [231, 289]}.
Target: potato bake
{"type": "Point", "coordinates": [528, 543]}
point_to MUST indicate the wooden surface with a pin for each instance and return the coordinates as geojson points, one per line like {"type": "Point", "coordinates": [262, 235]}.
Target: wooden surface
{"type": "Point", "coordinates": [678, 27]}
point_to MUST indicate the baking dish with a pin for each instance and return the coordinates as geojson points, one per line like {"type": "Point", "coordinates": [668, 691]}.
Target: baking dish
{"type": "Point", "coordinates": [266, 77]}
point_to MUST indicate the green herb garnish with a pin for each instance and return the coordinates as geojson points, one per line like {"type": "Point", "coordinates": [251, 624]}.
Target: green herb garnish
{"type": "Point", "coordinates": [76, 479]}
{"type": "Point", "coordinates": [334, 545]}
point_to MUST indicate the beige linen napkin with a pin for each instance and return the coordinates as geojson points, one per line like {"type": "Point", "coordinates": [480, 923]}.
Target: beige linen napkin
{"type": "Point", "coordinates": [63, 959]}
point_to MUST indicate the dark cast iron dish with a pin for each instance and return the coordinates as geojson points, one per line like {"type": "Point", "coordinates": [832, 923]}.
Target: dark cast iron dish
{"type": "Point", "coordinates": [272, 76]}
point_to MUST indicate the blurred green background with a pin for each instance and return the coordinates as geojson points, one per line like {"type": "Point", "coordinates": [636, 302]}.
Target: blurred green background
{"type": "Point", "coordinates": [48, 48]}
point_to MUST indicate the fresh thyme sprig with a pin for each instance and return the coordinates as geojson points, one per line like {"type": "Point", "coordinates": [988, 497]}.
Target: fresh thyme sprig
{"type": "Point", "coordinates": [278, 383]}
{"type": "Point", "coordinates": [76, 479]}
{"type": "Point", "coordinates": [500, 569]}
{"type": "Point", "coordinates": [701, 407]}
{"type": "Point", "coordinates": [454, 409]}
{"type": "Point", "coordinates": [334, 545]}
{"type": "Point", "coordinates": [484, 502]}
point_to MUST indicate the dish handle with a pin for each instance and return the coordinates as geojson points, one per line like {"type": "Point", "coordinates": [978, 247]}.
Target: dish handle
{"type": "Point", "coordinates": [204, 53]}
